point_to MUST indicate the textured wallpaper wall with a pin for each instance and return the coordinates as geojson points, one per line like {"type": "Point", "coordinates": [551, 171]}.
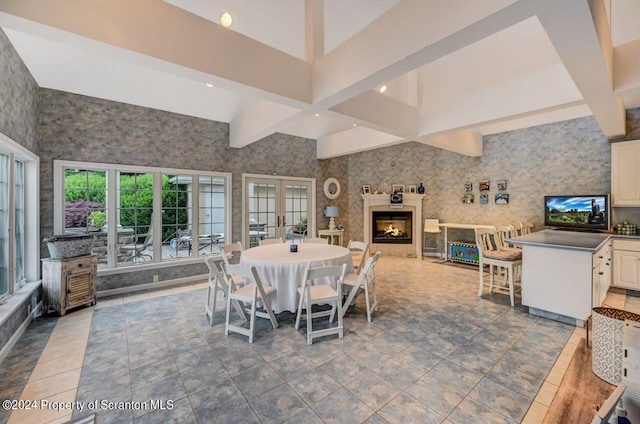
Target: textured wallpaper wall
{"type": "Point", "coordinates": [18, 97]}
{"type": "Point", "coordinates": [569, 157]}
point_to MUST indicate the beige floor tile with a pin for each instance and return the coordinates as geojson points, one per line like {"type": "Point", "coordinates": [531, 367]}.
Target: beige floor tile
{"type": "Point", "coordinates": [136, 297]}
{"type": "Point", "coordinates": [65, 326]}
{"type": "Point", "coordinates": [110, 302]}
{"type": "Point", "coordinates": [535, 414]}
{"type": "Point", "coordinates": [78, 315]}
{"type": "Point", "coordinates": [160, 293]}
{"type": "Point", "coordinates": [563, 361]}
{"type": "Point", "coordinates": [52, 352]}
{"type": "Point", "coordinates": [181, 289]}
{"type": "Point", "coordinates": [546, 394]}
{"type": "Point", "coordinates": [569, 349]}
{"type": "Point", "coordinates": [69, 337]}
{"type": "Point", "coordinates": [62, 420]}
{"type": "Point", "coordinates": [57, 366]}
{"type": "Point", "coordinates": [202, 285]}
{"type": "Point", "coordinates": [46, 412]}
{"type": "Point", "coordinates": [52, 385]}
{"type": "Point", "coordinates": [555, 376]}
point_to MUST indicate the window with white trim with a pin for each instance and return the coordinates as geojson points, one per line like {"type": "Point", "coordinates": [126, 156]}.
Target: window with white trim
{"type": "Point", "coordinates": [18, 212]}
{"type": "Point", "coordinates": [151, 216]}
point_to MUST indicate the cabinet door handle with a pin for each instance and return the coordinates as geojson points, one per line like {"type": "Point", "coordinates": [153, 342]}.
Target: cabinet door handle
{"type": "Point", "coordinates": [79, 265]}
{"type": "Point", "coordinates": [601, 273]}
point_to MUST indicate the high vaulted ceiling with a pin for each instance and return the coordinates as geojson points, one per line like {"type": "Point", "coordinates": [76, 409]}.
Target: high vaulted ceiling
{"type": "Point", "coordinates": [455, 69]}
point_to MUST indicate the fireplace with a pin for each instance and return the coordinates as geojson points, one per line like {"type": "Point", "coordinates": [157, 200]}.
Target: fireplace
{"type": "Point", "coordinates": [391, 227]}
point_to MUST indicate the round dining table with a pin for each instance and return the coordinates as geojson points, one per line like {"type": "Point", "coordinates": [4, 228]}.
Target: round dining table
{"type": "Point", "coordinates": [278, 266]}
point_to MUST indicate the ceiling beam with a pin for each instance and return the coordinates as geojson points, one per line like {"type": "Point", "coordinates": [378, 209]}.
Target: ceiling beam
{"type": "Point", "coordinates": [353, 140]}
{"type": "Point", "coordinates": [409, 35]}
{"type": "Point", "coordinates": [313, 30]}
{"type": "Point", "coordinates": [260, 120]}
{"type": "Point", "coordinates": [580, 33]}
{"type": "Point", "coordinates": [465, 142]}
{"type": "Point", "coordinates": [193, 43]}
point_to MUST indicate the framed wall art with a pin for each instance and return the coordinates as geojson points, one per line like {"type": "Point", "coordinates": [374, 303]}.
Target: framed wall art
{"type": "Point", "coordinates": [398, 188]}
{"type": "Point", "coordinates": [484, 185]}
{"type": "Point", "coordinates": [502, 185]}
{"type": "Point", "coordinates": [468, 187]}
{"type": "Point", "coordinates": [484, 199]}
{"type": "Point", "coordinates": [502, 199]}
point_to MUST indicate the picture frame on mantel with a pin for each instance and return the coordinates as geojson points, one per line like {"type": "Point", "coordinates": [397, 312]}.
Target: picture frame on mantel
{"type": "Point", "coordinates": [398, 188]}
{"type": "Point", "coordinates": [412, 189]}
{"type": "Point", "coordinates": [366, 189]}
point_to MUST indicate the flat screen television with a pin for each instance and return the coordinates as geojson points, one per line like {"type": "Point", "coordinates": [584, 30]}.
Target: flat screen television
{"type": "Point", "coordinates": [585, 212]}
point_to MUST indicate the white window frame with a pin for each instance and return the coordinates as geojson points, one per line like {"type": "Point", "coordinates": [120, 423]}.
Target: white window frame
{"type": "Point", "coordinates": [113, 267]}
{"type": "Point", "coordinates": [31, 169]}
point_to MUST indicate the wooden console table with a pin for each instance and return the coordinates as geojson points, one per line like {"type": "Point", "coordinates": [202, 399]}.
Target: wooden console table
{"type": "Point", "coordinates": [331, 234]}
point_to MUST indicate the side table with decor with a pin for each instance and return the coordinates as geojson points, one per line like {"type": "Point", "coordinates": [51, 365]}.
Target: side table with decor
{"type": "Point", "coordinates": [69, 276]}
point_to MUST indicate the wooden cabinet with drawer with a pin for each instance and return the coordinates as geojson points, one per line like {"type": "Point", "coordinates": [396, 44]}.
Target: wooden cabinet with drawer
{"type": "Point", "coordinates": [626, 263]}
{"type": "Point", "coordinates": [69, 283]}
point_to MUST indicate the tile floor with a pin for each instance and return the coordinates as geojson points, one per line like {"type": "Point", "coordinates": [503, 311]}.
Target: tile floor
{"type": "Point", "coordinates": [435, 353]}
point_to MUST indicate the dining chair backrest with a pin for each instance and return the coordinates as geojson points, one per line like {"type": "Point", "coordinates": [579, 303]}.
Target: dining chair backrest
{"type": "Point", "coordinates": [318, 240]}
{"type": "Point", "coordinates": [318, 289]}
{"type": "Point", "coordinates": [526, 227]}
{"type": "Point", "coordinates": [432, 225]}
{"type": "Point", "coordinates": [231, 253]}
{"type": "Point", "coordinates": [359, 253]}
{"type": "Point", "coordinates": [501, 234]}
{"type": "Point", "coordinates": [264, 242]}
{"type": "Point", "coordinates": [251, 293]}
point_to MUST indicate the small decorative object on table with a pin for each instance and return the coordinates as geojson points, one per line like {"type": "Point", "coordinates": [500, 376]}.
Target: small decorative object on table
{"type": "Point", "coordinates": [293, 248]}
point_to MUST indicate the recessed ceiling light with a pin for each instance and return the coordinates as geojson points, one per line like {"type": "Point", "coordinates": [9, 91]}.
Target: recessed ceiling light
{"type": "Point", "coordinates": [317, 114]}
{"type": "Point", "coordinates": [355, 125]}
{"type": "Point", "coordinates": [209, 85]}
{"type": "Point", "coordinates": [226, 20]}
{"type": "Point", "coordinates": [383, 88]}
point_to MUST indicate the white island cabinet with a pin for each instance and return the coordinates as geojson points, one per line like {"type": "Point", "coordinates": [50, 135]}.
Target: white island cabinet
{"type": "Point", "coordinates": [626, 263]}
{"type": "Point", "coordinates": [561, 273]}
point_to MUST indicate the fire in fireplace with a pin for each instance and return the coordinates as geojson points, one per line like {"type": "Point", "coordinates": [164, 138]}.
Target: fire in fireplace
{"type": "Point", "coordinates": [391, 227]}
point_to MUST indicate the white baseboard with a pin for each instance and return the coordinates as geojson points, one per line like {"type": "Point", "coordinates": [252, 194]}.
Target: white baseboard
{"type": "Point", "coordinates": [20, 331]}
{"type": "Point", "coordinates": [153, 286]}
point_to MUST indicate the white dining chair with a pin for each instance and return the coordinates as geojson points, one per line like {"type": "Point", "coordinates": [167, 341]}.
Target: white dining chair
{"type": "Point", "coordinates": [317, 290]}
{"type": "Point", "coordinates": [364, 281]}
{"type": "Point", "coordinates": [231, 255]}
{"type": "Point", "coordinates": [218, 281]}
{"type": "Point", "coordinates": [359, 253]}
{"type": "Point", "coordinates": [264, 242]}
{"type": "Point", "coordinates": [493, 257]}
{"type": "Point", "coordinates": [431, 228]}
{"type": "Point", "coordinates": [252, 293]}
{"type": "Point", "coordinates": [318, 240]}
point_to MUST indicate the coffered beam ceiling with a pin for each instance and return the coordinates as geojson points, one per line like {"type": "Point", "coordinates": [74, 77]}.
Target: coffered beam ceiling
{"type": "Point", "coordinates": [455, 68]}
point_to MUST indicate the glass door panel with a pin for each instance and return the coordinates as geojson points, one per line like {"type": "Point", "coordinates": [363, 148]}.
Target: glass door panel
{"type": "Point", "coordinates": [277, 208]}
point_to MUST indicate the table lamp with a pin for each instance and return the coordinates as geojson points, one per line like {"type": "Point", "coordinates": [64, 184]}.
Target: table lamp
{"type": "Point", "coordinates": [332, 212]}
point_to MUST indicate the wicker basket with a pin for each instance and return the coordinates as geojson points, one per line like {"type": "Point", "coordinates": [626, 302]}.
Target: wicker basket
{"type": "Point", "coordinates": [69, 245]}
{"type": "Point", "coordinates": [607, 342]}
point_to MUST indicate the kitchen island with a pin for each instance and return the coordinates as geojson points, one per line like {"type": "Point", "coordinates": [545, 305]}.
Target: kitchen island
{"type": "Point", "coordinates": [564, 273]}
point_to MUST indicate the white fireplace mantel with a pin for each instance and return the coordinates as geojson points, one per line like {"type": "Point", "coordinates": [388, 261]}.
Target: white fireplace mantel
{"type": "Point", "coordinates": [410, 202]}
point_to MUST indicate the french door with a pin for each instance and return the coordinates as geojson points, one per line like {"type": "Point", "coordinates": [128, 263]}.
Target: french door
{"type": "Point", "coordinates": [277, 207]}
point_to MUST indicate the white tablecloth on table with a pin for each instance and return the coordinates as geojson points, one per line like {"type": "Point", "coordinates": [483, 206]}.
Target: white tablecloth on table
{"type": "Point", "coordinates": [278, 267]}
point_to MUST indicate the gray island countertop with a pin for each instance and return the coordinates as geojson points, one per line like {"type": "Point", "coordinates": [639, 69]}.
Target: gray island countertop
{"type": "Point", "coordinates": [572, 240]}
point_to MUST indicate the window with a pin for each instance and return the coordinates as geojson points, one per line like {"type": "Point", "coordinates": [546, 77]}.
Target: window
{"type": "Point", "coordinates": [19, 225]}
{"type": "Point", "coordinates": [152, 216]}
